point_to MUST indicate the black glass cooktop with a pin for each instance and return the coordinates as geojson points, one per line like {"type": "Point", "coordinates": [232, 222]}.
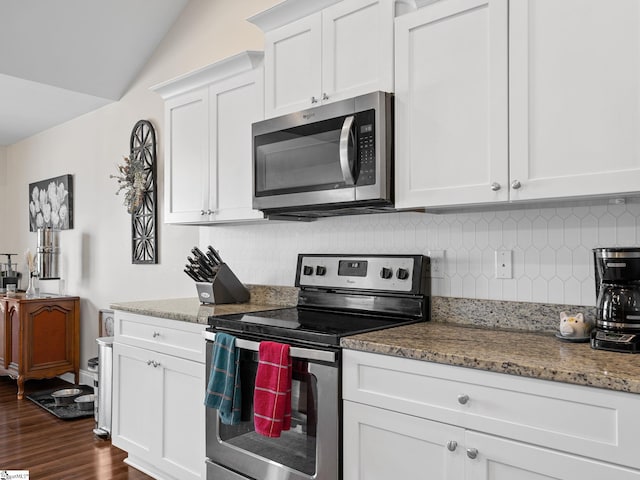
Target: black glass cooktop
{"type": "Point", "coordinates": [308, 326]}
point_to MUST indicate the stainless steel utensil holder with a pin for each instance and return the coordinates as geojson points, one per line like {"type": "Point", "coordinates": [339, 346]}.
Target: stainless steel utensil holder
{"type": "Point", "coordinates": [225, 288]}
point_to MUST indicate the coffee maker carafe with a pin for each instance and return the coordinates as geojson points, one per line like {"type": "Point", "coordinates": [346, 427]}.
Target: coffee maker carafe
{"type": "Point", "coordinates": [617, 276]}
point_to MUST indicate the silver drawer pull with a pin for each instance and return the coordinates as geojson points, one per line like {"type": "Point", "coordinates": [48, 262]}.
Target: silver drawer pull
{"type": "Point", "coordinates": [463, 399]}
{"type": "Point", "coordinates": [154, 363]}
{"type": "Point", "coordinates": [472, 453]}
{"type": "Point", "coordinates": [452, 445]}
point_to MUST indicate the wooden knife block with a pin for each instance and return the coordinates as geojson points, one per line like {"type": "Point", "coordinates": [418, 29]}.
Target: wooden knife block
{"type": "Point", "coordinates": [225, 288]}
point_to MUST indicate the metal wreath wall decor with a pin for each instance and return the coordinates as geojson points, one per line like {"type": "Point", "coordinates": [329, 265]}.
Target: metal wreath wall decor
{"type": "Point", "coordinates": [144, 237]}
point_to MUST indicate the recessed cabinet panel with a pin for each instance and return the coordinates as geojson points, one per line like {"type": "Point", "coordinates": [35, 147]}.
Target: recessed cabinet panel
{"type": "Point", "coordinates": [575, 97]}
{"type": "Point", "coordinates": [187, 155]}
{"type": "Point", "coordinates": [451, 104]}
{"type": "Point", "coordinates": [293, 74]}
{"type": "Point", "coordinates": [237, 108]}
{"type": "Point", "coordinates": [357, 48]}
{"type": "Point", "coordinates": [382, 445]}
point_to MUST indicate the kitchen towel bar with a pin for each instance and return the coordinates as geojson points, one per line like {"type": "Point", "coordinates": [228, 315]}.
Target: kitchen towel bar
{"type": "Point", "coordinates": [224, 287]}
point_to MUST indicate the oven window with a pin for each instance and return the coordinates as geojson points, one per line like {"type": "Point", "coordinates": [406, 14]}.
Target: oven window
{"type": "Point", "coordinates": [299, 159]}
{"type": "Point", "coordinates": [295, 448]}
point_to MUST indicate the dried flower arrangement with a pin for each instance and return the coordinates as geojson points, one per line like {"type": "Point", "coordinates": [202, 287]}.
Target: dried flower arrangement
{"type": "Point", "coordinates": [131, 179]}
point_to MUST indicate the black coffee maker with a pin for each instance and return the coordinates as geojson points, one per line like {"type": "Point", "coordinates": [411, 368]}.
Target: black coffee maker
{"type": "Point", "coordinates": [617, 275]}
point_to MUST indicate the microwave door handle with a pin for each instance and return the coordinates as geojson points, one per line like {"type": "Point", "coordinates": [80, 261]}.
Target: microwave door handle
{"type": "Point", "coordinates": [345, 135]}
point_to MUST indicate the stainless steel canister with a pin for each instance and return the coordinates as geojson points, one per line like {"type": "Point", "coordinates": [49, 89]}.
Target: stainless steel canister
{"type": "Point", "coordinates": [48, 253]}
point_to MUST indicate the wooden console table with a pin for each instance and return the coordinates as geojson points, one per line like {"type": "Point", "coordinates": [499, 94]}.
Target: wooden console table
{"type": "Point", "coordinates": [39, 337]}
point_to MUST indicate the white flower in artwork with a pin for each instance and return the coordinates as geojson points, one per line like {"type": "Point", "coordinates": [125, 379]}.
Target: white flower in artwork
{"type": "Point", "coordinates": [35, 198]}
{"type": "Point", "coordinates": [32, 208]}
{"type": "Point", "coordinates": [55, 219]}
{"type": "Point", "coordinates": [62, 193]}
{"type": "Point", "coordinates": [46, 212]}
{"type": "Point", "coordinates": [43, 198]}
{"type": "Point", "coordinates": [52, 193]}
{"type": "Point", "coordinates": [64, 213]}
{"type": "Point", "coordinates": [39, 220]}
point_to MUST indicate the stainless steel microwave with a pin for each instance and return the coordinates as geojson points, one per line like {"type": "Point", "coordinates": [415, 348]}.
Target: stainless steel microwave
{"type": "Point", "coordinates": [328, 160]}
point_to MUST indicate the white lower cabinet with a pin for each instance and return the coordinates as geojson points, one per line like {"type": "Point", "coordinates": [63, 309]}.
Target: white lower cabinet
{"type": "Point", "coordinates": [412, 419]}
{"type": "Point", "coordinates": [158, 411]}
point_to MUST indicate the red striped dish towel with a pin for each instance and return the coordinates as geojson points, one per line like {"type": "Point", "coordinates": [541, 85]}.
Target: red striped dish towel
{"type": "Point", "coordinates": [272, 394]}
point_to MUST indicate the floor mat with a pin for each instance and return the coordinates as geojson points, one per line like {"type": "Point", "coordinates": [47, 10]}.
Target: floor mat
{"type": "Point", "coordinates": [64, 412]}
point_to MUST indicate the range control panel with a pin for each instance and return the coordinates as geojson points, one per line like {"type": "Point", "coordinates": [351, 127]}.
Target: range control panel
{"type": "Point", "coordinates": [397, 273]}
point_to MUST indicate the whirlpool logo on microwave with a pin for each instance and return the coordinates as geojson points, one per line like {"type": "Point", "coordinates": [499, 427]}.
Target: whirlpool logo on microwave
{"type": "Point", "coordinates": [307, 116]}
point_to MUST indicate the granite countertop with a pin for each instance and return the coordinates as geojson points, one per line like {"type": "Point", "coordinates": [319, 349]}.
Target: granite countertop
{"type": "Point", "coordinates": [537, 354]}
{"type": "Point", "coordinates": [263, 297]}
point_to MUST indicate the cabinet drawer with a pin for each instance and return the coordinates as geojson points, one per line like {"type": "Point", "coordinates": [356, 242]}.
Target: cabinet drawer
{"type": "Point", "coordinates": [587, 421]}
{"type": "Point", "coordinates": [173, 337]}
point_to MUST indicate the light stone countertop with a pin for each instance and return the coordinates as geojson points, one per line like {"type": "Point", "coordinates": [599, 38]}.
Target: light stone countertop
{"type": "Point", "coordinates": [525, 353]}
{"type": "Point", "coordinates": [263, 297]}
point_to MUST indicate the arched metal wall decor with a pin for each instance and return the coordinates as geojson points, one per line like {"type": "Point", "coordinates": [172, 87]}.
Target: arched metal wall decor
{"type": "Point", "coordinates": [144, 237]}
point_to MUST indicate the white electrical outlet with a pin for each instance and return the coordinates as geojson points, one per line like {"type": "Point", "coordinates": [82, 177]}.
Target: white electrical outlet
{"type": "Point", "coordinates": [437, 263]}
{"type": "Point", "coordinates": [504, 266]}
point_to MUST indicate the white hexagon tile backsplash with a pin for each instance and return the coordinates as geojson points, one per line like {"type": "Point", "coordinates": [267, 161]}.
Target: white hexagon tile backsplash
{"type": "Point", "coordinates": [551, 247]}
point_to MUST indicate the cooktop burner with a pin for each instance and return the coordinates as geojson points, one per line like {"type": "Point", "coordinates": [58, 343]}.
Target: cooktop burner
{"type": "Point", "coordinates": [318, 327]}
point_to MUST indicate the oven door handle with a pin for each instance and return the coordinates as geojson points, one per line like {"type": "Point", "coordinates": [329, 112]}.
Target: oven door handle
{"type": "Point", "coordinates": [294, 352]}
{"type": "Point", "coordinates": [345, 135]}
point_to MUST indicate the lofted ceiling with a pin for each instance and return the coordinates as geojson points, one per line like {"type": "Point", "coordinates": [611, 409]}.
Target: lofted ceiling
{"type": "Point", "coordinates": [60, 59]}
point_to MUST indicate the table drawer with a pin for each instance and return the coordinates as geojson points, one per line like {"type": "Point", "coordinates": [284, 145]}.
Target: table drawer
{"type": "Point", "coordinates": [583, 420]}
{"type": "Point", "coordinates": [172, 337]}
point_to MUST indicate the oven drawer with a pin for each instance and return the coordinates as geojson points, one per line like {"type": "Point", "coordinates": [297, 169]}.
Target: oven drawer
{"type": "Point", "coordinates": [172, 337]}
{"type": "Point", "coordinates": [583, 420]}
{"type": "Point", "coordinates": [215, 471]}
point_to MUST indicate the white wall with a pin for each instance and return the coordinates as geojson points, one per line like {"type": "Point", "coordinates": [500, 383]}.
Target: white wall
{"type": "Point", "coordinates": [96, 253]}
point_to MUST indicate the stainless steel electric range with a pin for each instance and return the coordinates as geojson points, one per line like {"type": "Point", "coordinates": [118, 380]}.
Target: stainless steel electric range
{"type": "Point", "coordinates": [339, 295]}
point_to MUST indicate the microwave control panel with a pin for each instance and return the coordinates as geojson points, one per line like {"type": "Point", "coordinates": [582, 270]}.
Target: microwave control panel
{"type": "Point", "coordinates": [366, 135]}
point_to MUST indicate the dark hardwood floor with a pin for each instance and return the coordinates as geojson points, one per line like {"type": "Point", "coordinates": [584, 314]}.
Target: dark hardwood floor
{"type": "Point", "coordinates": [52, 449]}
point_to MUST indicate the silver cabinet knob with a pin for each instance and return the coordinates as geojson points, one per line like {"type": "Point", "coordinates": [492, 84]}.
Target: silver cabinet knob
{"type": "Point", "coordinates": [153, 363]}
{"type": "Point", "coordinates": [495, 186]}
{"type": "Point", "coordinates": [314, 100]}
{"type": "Point", "coordinates": [452, 445]}
{"type": "Point", "coordinates": [472, 453]}
{"type": "Point", "coordinates": [516, 184]}
{"type": "Point", "coordinates": [156, 334]}
{"type": "Point", "coordinates": [325, 96]}
{"type": "Point", "coordinates": [210, 212]}
{"type": "Point", "coordinates": [463, 399]}
{"type": "Point", "coordinates": [203, 212]}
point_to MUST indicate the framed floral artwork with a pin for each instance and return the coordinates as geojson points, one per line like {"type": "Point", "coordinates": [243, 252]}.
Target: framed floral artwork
{"type": "Point", "coordinates": [51, 203]}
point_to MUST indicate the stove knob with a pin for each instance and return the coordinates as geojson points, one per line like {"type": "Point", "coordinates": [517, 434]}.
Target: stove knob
{"type": "Point", "coordinates": [320, 270]}
{"type": "Point", "coordinates": [307, 270]}
{"type": "Point", "coordinates": [386, 273]}
{"type": "Point", "coordinates": [402, 274]}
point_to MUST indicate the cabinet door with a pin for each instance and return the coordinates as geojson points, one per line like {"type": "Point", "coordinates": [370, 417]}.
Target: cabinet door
{"type": "Point", "coordinates": [357, 48]}
{"type": "Point", "coordinates": [182, 416]}
{"type": "Point", "coordinates": [5, 337]}
{"type": "Point", "coordinates": [235, 105]}
{"type": "Point", "coordinates": [292, 66]}
{"type": "Point", "coordinates": [136, 402]}
{"type": "Point", "coordinates": [381, 445]}
{"type": "Point", "coordinates": [499, 459]}
{"type": "Point", "coordinates": [451, 104]}
{"type": "Point", "coordinates": [158, 410]}
{"type": "Point", "coordinates": [187, 174]}
{"type": "Point", "coordinates": [574, 69]}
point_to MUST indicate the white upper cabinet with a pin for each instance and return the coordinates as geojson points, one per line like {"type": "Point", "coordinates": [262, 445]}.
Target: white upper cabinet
{"type": "Point", "coordinates": [542, 102]}
{"type": "Point", "coordinates": [340, 51]}
{"type": "Point", "coordinates": [574, 69]}
{"type": "Point", "coordinates": [208, 117]}
{"type": "Point", "coordinates": [451, 104]}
